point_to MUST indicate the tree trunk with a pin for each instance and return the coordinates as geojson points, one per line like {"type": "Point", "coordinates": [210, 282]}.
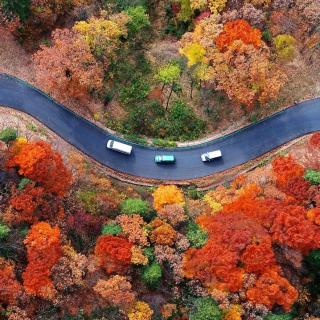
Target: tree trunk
{"type": "Point", "coordinates": [169, 97]}
{"type": "Point", "coordinates": [191, 89]}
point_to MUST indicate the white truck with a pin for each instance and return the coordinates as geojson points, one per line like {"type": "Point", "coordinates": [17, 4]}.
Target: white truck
{"type": "Point", "coordinates": [211, 155]}
{"type": "Point", "coordinates": [119, 146]}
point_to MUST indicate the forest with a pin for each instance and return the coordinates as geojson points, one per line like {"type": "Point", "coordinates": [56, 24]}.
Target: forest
{"type": "Point", "coordinates": [161, 72]}
{"type": "Point", "coordinates": [76, 245]}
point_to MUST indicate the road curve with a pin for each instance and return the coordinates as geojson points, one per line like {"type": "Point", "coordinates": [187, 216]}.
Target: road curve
{"type": "Point", "coordinates": [237, 148]}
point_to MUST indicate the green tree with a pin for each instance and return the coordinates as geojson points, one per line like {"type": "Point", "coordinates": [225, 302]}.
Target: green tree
{"type": "Point", "coordinates": [4, 231]}
{"type": "Point", "coordinates": [112, 229]}
{"type": "Point", "coordinates": [205, 308]}
{"type": "Point", "coordinates": [151, 275]}
{"type": "Point", "coordinates": [312, 176]}
{"type": "Point", "coordinates": [139, 19]}
{"type": "Point", "coordinates": [196, 235]}
{"type": "Point", "coordinates": [19, 8]}
{"type": "Point", "coordinates": [135, 206]}
{"type": "Point", "coordinates": [149, 253]}
{"type": "Point", "coordinates": [169, 74]}
{"type": "Point", "coordinates": [8, 134]}
{"type": "Point", "coordinates": [183, 123]}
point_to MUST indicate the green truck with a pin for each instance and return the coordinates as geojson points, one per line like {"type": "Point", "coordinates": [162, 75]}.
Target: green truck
{"type": "Point", "coordinates": [164, 159]}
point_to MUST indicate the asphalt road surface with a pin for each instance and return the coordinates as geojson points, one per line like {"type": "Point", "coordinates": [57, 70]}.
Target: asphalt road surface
{"type": "Point", "coordinates": [237, 148]}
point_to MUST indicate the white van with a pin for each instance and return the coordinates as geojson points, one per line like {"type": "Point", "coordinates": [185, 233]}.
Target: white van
{"type": "Point", "coordinates": [119, 146]}
{"type": "Point", "coordinates": [211, 155]}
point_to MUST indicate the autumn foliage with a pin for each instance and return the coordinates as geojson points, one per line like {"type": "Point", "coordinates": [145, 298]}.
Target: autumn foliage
{"type": "Point", "coordinates": [238, 30]}
{"type": "Point", "coordinates": [68, 68]}
{"type": "Point", "coordinates": [242, 234]}
{"type": "Point", "coordinates": [33, 204]}
{"type": "Point", "coordinates": [10, 288]}
{"type": "Point", "coordinates": [116, 290]}
{"type": "Point", "coordinates": [38, 162]}
{"type": "Point", "coordinates": [113, 253]}
{"type": "Point", "coordinates": [165, 195]}
{"type": "Point", "coordinates": [163, 233]}
{"type": "Point", "coordinates": [272, 289]}
{"type": "Point", "coordinates": [286, 169]}
{"type": "Point", "coordinates": [44, 251]}
{"type": "Point", "coordinates": [293, 228]}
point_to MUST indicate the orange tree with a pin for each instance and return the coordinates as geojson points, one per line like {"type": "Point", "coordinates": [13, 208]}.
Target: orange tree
{"type": "Point", "coordinates": [68, 68]}
{"type": "Point", "coordinates": [238, 30]}
{"type": "Point", "coordinates": [38, 162]}
{"type": "Point", "coordinates": [43, 251]}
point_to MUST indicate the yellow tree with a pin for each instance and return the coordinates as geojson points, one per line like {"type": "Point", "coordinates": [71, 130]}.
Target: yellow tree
{"type": "Point", "coordinates": [165, 195]}
{"type": "Point", "coordinates": [103, 35]}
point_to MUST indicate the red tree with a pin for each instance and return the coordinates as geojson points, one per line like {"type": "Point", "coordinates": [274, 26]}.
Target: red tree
{"type": "Point", "coordinates": [271, 289]}
{"type": "Point", "coordinates": [291, 227]}
{"type": "Point", "coordinates": [113, 253]}
{"type": "Point", "coordinates": [38, 162]}
{"type": "Point", "coordinates": [33, 204]}
{"type": "Point", "coordinates": [44, 251]}
{"type": "Point", "coordinates": [9, 286]}
{"type": "Point", "coordinates": [258, 257]}
{"type": "Point", "coordinates": [238, 30]}
{"type": "Point", "coordinates": [286, 169]}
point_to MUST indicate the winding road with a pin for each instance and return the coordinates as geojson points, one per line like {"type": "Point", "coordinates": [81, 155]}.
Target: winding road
{"type": "Point", "coordinates": [237, 148]}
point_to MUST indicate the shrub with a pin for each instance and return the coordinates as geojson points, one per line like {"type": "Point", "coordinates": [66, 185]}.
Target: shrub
{"type": "Point", "coordinates": [149, 253]}
{"type": "Point", "coordinates": [20, 8]}
{"type": "Point", "coordinates": [267, 36]}
{"type": "Point", "coordinates": [135, 206]}
{"type": "Point", "coordinates": [205, 308]}
{"type": "Point", "coordinates": [182, 123]}
{"type": "Point", "coordinates": [135, 92]}
{"type": "Point", "coordinates": [8, 134]}
{"type": "Point", "coordinates": [196, 235]}
{"type": "Point", "coordinates": [312, 176]}
{"type": "Point", "coordinates": [89, 200]}
{"type": "Point", "coordinates": [112, 229]}
{"type": "Point", "coordinates": [4, 231]}
{"type": "Point", "coordinates": [313, 259]}
{"type": "Point", "coordinates": [283, 316]}
{"type": "Point", "coordinates": [193, 193]}
{"type": "Point", "coordinates": [125, 4]}
{"type": "Point", "coordinates": [164, 143]}
{"type": "Point", "coordinates": [152, 274]}
{"type": "Point", "coordinates": [139, 120]}
{"type": "Point", "coordinates": [23, 182]}
{"type": "Point", "coordinates": [136, 139]}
